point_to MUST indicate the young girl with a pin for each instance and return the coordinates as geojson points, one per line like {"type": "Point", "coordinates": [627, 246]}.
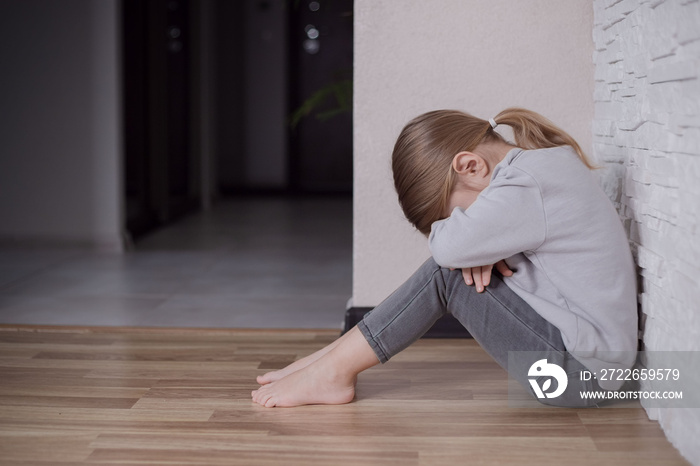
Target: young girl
{"type": "Point", "coordinates": [565, 287]}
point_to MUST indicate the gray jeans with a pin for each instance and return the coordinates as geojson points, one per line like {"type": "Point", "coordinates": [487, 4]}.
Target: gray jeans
{"type": "Point", "coordinates": [498, 319]}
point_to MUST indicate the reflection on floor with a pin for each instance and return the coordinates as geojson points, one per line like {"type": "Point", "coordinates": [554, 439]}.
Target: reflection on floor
{"type": "Point", "coordinates": [268, 263]}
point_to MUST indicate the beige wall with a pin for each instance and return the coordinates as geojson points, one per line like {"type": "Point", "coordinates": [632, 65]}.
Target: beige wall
{"type": "Point", "coordinates": [479, 56]}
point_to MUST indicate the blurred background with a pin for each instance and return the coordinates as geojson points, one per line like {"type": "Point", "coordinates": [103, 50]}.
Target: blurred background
{"type": "Point", "coordinates": [243, 67]}
{"type": "Point", "coordinates": [208, 140]}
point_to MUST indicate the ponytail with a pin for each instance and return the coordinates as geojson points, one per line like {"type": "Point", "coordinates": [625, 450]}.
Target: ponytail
{"type": "Point", "coordinates": [533, 131]}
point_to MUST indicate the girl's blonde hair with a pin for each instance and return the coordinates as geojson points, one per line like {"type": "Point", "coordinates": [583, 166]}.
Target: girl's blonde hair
{"type": "Point", "coordinates": [423, 153]}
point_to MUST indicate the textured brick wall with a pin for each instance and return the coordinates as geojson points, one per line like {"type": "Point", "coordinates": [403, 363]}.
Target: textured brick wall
{"type": "Point", "coordinates": [646, 133]}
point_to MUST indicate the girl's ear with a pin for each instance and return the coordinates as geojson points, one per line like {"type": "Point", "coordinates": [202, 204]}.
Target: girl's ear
{"type": "Point", "coordinates": [467, 163]}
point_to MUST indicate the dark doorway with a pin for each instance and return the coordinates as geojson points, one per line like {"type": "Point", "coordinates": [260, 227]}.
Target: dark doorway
{"type": "Point", "coordinates": [160, 84]}
{"type": "Point", "coordinates": [209, 90]}
{"type": "Point", "coordinates": [321, 61]}
{"type": "Point", "coordinates": [266, 68]}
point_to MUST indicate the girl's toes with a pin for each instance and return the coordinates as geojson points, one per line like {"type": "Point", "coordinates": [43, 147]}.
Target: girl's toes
{"type": "Point", "coordinates": [270, 403]}
{"type": "Point", "coordinates": [264, 399]}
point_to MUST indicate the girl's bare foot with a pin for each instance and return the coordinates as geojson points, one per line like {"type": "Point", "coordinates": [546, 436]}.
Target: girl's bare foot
{"type": "Point", "coordinates": [274, 376]}
{"type": "Point", "coordinates": [330, 379]}
{"type": "Point", "coordinates": [317, 383]}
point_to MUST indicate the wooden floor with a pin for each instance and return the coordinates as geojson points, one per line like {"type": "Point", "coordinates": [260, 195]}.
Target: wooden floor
{"type": "Point", "coordinates": [130, 396]}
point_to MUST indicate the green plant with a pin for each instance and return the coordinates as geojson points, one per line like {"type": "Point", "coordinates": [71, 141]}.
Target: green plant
{"type": "Point", "coordinates": [338, 92]}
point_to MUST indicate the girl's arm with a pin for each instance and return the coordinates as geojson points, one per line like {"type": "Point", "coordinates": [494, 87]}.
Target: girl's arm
{"type": "Point", "coordinates": [507, 218]}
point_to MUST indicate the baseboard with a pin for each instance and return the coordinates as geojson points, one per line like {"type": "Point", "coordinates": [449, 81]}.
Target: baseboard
{"type": "Point", "coordinates": [445, 327]}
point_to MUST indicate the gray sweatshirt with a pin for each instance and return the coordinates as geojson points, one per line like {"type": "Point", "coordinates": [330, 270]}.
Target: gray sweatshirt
{"type": "Point", "coordinates": [545, 213]}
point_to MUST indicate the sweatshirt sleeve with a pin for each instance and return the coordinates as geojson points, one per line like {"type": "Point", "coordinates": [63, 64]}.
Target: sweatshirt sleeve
{"type": "Point", "coordinates": [507, 218]}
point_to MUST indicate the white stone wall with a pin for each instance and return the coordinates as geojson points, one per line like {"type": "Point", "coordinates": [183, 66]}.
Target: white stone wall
{"type": "Point", "coordinates": [646, 133]}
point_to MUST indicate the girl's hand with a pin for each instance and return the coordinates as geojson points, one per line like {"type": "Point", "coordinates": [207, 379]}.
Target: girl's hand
{"type": "Point", "coordinates": [481, 275]}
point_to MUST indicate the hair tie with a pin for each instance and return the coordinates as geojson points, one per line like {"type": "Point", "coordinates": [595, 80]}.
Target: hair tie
{"type": "Point", "coordinates": [493, 123]}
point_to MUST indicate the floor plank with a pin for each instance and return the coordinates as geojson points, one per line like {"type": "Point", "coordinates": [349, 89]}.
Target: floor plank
{"type": "Point", "coordinates": [116, 396]}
